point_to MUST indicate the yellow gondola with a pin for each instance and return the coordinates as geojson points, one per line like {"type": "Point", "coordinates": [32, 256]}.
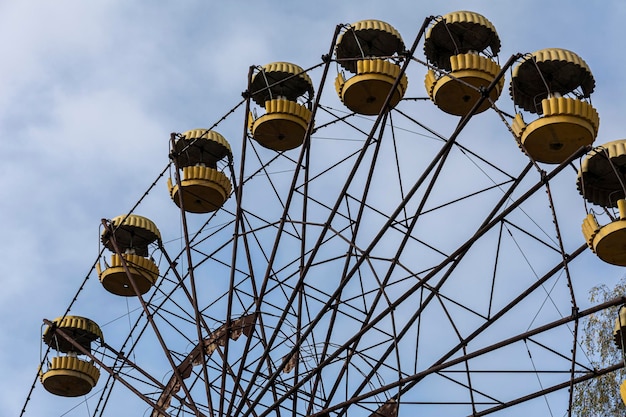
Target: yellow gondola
{"type": "Point", "coordinates": [68, 375]}
{"type": "Point", "coordinates": [608, 241]}
{"type": "Point", "coordinates": [132, 235]}
{"type": "Point", "coordinates": [538, 85]}
{"type": "Point", "coordinates": [601, 181]}
{"type": "Point", "coordinates": [277, 87]}
{"type": "Point", "coordinates": [453, 45]}
{"type": "Point", "coordinates": [370, 49]}
{"type": "Point", "coordinates": [204, 187]}
{"type": "Point", "coordinates": [619, 331]}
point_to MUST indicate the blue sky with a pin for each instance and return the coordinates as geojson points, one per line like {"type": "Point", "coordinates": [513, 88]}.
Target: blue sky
{"type": "Point", "coordinates": [92, 90]}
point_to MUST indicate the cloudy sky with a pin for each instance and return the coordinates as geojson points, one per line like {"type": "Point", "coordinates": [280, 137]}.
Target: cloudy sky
{"type": "Point", "coordinates": [90, 91]}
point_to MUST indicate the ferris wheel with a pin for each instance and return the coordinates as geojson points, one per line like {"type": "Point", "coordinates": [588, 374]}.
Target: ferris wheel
{"type": "Point", "coordinates": [367, 248]}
